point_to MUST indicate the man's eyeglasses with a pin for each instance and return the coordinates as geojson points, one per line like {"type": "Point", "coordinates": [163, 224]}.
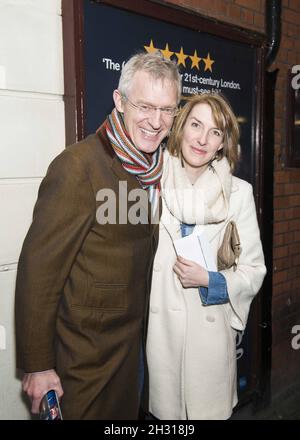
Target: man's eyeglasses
{"type": "Point", "coordinates": [169, 112]}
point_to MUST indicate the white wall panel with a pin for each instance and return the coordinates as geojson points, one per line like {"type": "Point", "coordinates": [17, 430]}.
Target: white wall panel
{"type": "Point", "coordinates": [12, 406]}
{"type": "Point", "coordinates": [32, 134]}
{"type": "Point", "coordinates": [34, 61]}
{"type": "Point", "coordinates": [47, 6]}
{"type": "Point", "coordinates": [17, 200]}
{"type": "Point", "coordinates": [32, 128]}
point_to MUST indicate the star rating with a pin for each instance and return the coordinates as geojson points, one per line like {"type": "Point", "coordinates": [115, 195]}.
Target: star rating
{"type": "Point", "coordinates": [151, 48]}
{"type": "Point", "coordinates": [181, 56]}
{"type": "Point", "coordinates": [208, 63]}
{"type": "Point", "coordinates": [195, 60]}
{"type": "Point", "coordinates": [166, 52]}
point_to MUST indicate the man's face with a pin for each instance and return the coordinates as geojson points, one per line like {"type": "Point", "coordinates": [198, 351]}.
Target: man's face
{"type": "Point", "coordinates": [147, 129]}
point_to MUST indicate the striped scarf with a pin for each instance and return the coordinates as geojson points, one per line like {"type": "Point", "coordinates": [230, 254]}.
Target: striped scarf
{"type": "Point", "coordinates": [147, 168]}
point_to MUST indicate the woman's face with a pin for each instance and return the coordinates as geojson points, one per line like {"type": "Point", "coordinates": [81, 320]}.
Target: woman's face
{"type": "Point", "coordinates": [201, 138]}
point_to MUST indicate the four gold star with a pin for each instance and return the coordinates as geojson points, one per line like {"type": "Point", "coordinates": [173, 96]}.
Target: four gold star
{"type": "Point", "coordinates": [166, 52]}
{"type": "Point", "coordinates": [151, 48]}
{"type": "Point", "coordinates": [195, 60]}
{"type": "Point", "coordinates": [208, 63]}
{"type": "Point", "coordinates": [181, 56]}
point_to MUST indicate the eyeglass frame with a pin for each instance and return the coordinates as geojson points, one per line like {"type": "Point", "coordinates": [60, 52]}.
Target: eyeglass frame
{"type": "Point", "coordinates": [149, 109]}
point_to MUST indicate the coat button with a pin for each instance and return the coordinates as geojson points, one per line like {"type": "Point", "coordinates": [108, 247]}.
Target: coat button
{"type": "Point", "coordinates": [210, 318]}
{"type": "Point", "coordinates": [154, 309]}
{"type": "Point", "coordinates": [157, 267]}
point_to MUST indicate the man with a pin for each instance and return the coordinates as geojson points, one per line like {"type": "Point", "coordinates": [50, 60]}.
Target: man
{"type": "Point", "coordinates": [83, 283]}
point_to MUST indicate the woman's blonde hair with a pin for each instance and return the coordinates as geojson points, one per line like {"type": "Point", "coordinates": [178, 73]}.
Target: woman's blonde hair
{"type": "Point", "coordinates": [224, 119]}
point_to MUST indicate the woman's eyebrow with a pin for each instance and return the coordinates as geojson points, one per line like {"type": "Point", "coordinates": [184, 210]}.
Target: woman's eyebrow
{"type": "Point", "coordinates": [200, 122]}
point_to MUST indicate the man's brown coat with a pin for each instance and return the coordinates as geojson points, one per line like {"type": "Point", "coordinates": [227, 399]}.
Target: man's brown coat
{"type": "Point", "coordinates": [82, 287]}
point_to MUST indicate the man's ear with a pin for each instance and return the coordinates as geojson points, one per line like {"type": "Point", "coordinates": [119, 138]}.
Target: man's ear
{"type": "Point", "coordinates": [117, 97]}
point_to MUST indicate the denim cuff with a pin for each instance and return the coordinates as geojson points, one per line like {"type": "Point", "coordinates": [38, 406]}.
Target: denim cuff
{"type": "Point", "coordinates": [216, 292]}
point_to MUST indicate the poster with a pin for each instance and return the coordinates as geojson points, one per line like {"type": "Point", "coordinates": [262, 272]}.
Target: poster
{"type": "Point", "coordinates": [207, 64]}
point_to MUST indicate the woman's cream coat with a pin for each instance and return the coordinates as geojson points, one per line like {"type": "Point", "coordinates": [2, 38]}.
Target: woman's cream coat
{"type": "Point", "coordinates": [190, 347]}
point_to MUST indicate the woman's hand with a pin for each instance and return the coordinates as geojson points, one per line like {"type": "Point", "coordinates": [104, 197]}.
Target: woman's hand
{"type": "Point", "coordinates": [190, 274]}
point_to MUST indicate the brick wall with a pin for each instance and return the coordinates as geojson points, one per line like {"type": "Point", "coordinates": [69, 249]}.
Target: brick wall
{"type": "Point", "coordinates": [286, 262]}
{"type": "Point", "coordinates": [246, 13]}
{"type": "Point", "coordinates": [286, 268]}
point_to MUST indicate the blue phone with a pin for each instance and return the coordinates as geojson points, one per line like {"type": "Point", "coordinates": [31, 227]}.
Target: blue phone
{"type": "Point", "coordinates": [49, 407]}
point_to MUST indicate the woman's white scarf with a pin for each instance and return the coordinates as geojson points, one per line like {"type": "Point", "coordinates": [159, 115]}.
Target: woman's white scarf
{"type": "Point", "coordinates": [207, 201]}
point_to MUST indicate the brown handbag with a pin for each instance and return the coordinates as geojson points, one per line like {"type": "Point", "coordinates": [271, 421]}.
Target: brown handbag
{"type": "Point", "coordinates": [230, 250]}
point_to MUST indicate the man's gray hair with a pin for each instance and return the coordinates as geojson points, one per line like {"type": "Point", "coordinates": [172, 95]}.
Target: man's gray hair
{"type": "Point", "coordinates": [154, 64]}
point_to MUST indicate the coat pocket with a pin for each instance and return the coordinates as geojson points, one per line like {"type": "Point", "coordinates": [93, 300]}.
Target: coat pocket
{"type": "Point", "coordinates": [108, 296]}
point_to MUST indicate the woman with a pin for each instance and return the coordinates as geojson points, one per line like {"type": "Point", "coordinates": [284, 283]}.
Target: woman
{"type": "Point", "coordinates": [195, 313]}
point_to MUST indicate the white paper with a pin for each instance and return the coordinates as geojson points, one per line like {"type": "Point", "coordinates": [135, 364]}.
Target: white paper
{"type": "Point", "coordinates": [197, 248]}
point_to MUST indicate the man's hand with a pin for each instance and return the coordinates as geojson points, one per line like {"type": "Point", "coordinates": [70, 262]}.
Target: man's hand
{"type": "Point", "coordinates": [37, 384]}
{"type": "Point", "coordinates": [190, 274]}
